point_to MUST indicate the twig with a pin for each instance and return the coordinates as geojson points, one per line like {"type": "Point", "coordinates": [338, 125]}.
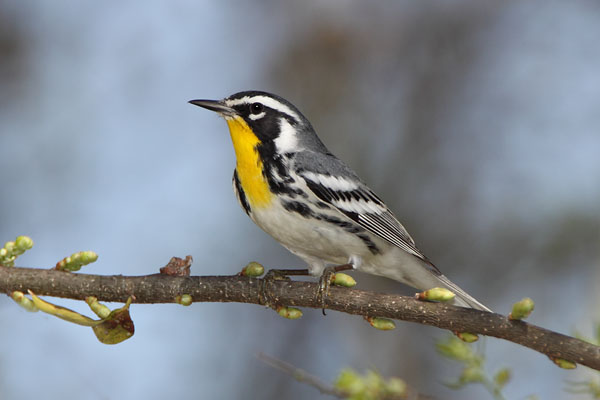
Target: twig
{"type": "Point", "coordinates": [302, 376]}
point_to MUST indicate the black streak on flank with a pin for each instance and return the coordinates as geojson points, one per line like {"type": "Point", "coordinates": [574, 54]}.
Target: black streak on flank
{"type": "Point", "coordinates": [327, 196]}
{"type": "Point", "coordinates": [241, 194]}
{"type": "Point", "coordinates": [307, 212]}
{"type": "Point", "coordinates": [297, 207]}
{"type": "Point", "coordinates": [352, 228]}
{"type": "Point", "coordinates": [369, 243]}
{"type": "Point", "coordinates": [322, 205]}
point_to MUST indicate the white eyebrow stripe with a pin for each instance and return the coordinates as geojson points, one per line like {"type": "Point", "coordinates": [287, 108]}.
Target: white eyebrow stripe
{"type": "Point", "coordinates": [267, 101]}
{"type": "Point", "coordinates": [237, 102]}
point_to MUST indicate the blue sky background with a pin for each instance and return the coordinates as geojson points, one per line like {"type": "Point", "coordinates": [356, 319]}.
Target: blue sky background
{"type": "Point", "coordinates": [478, 123]}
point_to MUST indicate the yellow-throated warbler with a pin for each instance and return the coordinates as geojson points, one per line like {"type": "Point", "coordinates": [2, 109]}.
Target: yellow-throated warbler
{"type": "Point", "coordinates": [291, 186]}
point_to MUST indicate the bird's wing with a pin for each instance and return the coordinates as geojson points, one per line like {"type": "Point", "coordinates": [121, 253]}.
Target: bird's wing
{"type": "Point", "coordinates": [343, 190]}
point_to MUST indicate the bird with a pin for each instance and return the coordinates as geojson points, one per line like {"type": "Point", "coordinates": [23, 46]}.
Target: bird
{"type": "Point", "coordinates": [312, 203]}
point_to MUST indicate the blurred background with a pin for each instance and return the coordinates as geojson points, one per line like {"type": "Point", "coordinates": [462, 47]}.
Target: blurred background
{"type": "Point", "coordinates": [477, 121]}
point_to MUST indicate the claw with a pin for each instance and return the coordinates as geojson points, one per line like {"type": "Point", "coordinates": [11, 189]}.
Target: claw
{"type": "Point", "coordinates": [326, 280]}
{"type": "Point", "coordinates": [324, 285]}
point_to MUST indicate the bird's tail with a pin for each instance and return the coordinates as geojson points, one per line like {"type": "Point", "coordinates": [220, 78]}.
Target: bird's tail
{"type": "Point", "coordinates": [423, 275]}
{"type": "Point", "coordinates": [462, 298]}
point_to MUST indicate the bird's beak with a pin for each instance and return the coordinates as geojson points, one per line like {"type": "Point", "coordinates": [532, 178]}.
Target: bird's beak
{"type": "Point", "coordinates": [217, 106]}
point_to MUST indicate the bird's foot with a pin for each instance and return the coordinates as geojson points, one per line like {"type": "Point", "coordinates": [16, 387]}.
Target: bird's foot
{"type": "Point", "coordinates": [325, 282]}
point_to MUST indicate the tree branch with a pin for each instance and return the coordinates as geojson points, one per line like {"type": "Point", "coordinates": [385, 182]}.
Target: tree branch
{"type": "Point", "coordinates": [160, 288]}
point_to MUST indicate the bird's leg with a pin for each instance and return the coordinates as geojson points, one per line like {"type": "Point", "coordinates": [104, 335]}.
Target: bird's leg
{"type": "Point", "coordinates": [325, 282]}
{"type": "Point", "coordinates": [277, 275]}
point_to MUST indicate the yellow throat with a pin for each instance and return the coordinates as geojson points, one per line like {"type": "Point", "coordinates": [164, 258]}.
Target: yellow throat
{"type": "Point", "coordinates": [249, 165]}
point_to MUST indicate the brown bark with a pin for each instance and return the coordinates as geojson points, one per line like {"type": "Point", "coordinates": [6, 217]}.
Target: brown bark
{"type": "Point", "coordinates": [160, 288]}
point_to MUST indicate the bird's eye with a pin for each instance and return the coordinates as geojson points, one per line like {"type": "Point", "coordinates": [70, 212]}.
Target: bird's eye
{"type": "Point", "coordinates": [256, 108]}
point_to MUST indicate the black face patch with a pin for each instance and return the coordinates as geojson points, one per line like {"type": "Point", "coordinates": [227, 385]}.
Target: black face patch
{"type": "Point", "coordinates": [266, 128]}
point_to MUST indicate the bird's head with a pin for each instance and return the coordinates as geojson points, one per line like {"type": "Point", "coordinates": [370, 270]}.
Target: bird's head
{"type": "Point", "coordinates": [275, 122]}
